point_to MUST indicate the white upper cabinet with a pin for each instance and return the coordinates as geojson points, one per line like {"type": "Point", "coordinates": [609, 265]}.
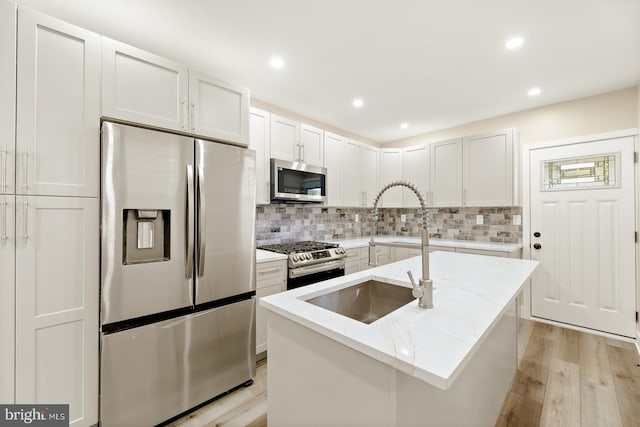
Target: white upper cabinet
{"type": "Point", "coordinates": [446, 173]}
{"type": "Point", "coordinates": [260, 122]}
{"type": "Point", "coordinates": [285, 138]}
{"type": "Point", "coordinates": [218, 110]}
{"type": "Point", "coordinates": [390, 170]}
{"type": "Point", "coordinates": [415, 169]}
{"type": "Point", "coordinates": [311, 149]}
{"type": "Point", "coordinates": [333, 163]}
{"type": "Point", "coordinates": [488, 161]}
{"type": "Point", "coordinates": [58, 108]}
{"type": "Point", "coordinates": [368, 174]}
{"type": "Point", "coordinates": [57, 304]}
{"type": "Point", "coordinates": [351, 188]}
{"type": "Point", "coordinates": [7, 98]}
{"type": "Point", "coordinates": [141, 87]}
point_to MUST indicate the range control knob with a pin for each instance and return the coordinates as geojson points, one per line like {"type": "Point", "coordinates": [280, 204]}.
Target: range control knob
{"type": "Point", "coordinates": [308, 256]}
{"type": "Point", "coordinates": [295, 257]}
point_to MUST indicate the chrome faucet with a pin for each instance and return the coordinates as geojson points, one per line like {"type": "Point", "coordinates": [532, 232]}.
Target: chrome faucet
{"type": "Point", "coordinates": [423, 290]}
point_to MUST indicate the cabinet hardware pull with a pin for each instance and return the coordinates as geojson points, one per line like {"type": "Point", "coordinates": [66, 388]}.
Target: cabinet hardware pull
{"type": "Point", "coordinates": [192, 118]}
{"type": "Point", "coordinates": [25, 165]}
{"type": "Point", "coordinates": [202, 222]}
{"type": "Point", "coordinates": [25, 219]}
{"type": "Point", "coordinates": [185, 114]}
{"type": "Point", "coordinates": [273, 270]}
{"type": "Point", "coordinates": [4, 168]}
{"type": "Point", "coordinates": [4, 221]}
{"type": "Point", "coordinates": [190, 225]}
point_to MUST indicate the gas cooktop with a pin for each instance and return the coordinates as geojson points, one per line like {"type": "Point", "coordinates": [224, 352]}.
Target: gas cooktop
{"type": "Point", "coordinates": [298, 247]}
{"type": "Point", "coordinates": [308, 252]}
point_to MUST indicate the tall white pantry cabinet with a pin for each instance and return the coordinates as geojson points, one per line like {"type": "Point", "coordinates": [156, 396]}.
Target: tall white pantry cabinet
{"type": "Point", "coordinates": [49, 213]}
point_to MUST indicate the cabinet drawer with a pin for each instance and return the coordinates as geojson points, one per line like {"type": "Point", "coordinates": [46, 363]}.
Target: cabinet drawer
{"type": "Point", "coordinates": [481, 252]}
{"type": "Point", "coordinates": [354, 253]}
{"type": "Point", "coordinates": [352, 266]}
{"type": "Point", "coordinates": [271, 273]}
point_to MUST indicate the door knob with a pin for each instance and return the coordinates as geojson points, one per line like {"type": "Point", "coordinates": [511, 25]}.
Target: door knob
{"type": "Point", "coordinates": [536, 234]}
{"type": "Point", "coordinates": [537, 246]}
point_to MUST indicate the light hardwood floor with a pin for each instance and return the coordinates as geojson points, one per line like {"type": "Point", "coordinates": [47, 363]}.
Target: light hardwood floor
{"type": "Point", "coordinates": [565, 378]}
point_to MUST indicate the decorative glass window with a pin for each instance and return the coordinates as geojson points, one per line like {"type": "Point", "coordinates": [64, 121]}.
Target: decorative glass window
{"type": "Point", "coordinates": [582, 172]}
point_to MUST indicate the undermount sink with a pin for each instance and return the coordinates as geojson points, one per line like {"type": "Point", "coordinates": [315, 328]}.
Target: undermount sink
{"type": "Point", "coordinates": [366, 302]}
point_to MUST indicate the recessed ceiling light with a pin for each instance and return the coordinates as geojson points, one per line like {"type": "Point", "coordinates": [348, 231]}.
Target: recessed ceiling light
{"type": "Point", "coordinates": [276, 62]}
{"type": "Point", "coordinates": [534, 91]}
{"type": "Point", "coordinates": [358, 102]}
{"type": "Point", "coordinates": [514, 43]}
{"type": "Point", "coordinates": [404, 125]}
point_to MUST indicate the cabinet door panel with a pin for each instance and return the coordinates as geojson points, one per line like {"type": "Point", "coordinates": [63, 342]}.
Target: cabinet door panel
{"type": "Point", "coordinates": [333, 163]}
{"type": "Point", "coordinates": [488, 169]}
{"type": "Point", "coordinates": [351, 188]}
{"type": "Point", "coordinates": [415, 169]}
{"type": "Point", "coordinates": [369, 174]}
{"type": "Point", "coordinates": [391, 170]}
{"type": "Point", "coordinates": [446, 173]}
{"type": "Point", "coordinates": [261, 318]}
{"type": "Point", "coordinates": [285, 138]}
{"type": "Point", "coordinates": [7, 296]}
{"type": "Point", "coordinates": [57, 283]}
{"type": "Point", "coordinates": [311, 145]}
{"type": "Point", "coordinates": [219, 110]}
{"type": "Point", "coordinates": [7, 97]}
{"type": "Point", "coordinates": [58, 117]}
{"type": "Point", "coordinates": [141, 87]}
{"type": "Point", "coordinates": [259, 141]}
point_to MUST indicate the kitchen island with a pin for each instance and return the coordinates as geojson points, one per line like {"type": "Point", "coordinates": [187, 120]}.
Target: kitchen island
{"type": "Point", "coordinates": [450, 365]}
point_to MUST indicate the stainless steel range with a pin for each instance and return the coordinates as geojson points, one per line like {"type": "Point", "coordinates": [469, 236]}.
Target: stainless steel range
{"type": "Point", "coordinates": [310, 262]}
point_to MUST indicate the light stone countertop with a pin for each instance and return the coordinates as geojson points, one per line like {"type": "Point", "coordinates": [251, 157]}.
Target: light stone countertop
{"type": "Point", "coordinates": [433, 345]}
{"type": "Point", "coordinates": [266, 256]}
{"type": "Point", "coordinates": [466, 244]}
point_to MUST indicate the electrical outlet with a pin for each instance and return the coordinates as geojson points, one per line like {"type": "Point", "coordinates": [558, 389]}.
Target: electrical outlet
{"type": "Point", "coordinates": [403, 218]}
{"type": "Point", "coordinates": [517, 220]}
{"type": "Point", "coordinates": [357, 218]}
{"type": "Point", "coordinates": [479, 219]}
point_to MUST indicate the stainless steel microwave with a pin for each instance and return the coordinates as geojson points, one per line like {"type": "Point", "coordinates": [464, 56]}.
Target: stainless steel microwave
{"type": "Point", "coordinates": [297, 182]}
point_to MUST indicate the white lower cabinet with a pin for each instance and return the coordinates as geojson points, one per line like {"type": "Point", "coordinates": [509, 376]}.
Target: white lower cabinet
{"type": "Point", "coordinates": [7, 297]}
{"type": "Point", "coordinates": [56, 285]}
{"type": "Point", "coordinates": [271, 278]}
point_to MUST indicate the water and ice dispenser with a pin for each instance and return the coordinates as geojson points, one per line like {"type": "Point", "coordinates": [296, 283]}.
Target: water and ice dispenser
{"type": "Point", "coordinates": [147, 235]}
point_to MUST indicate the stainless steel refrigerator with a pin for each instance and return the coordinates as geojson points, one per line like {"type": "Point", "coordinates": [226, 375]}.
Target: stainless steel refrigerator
{"type": "Point", "coordinates": [178, 276]}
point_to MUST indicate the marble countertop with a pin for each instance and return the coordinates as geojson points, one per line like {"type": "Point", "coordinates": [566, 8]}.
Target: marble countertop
{"type": "Point", "coordinates": [266, 256]}
{"type": "Point", "coordinates": [466, 244]}
{"type": "Point", "coordinates": [433, 345]}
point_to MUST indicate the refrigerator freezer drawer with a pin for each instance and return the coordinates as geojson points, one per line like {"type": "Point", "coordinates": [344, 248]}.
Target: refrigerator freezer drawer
{"type": "Point", "coordinates": [152, 373]}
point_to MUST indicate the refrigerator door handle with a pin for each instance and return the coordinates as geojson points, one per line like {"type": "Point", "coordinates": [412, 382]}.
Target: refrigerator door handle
{"type": "Point", "coordinates": [202, 222]}
{"type": "Point", "coordinates": [190, 221]}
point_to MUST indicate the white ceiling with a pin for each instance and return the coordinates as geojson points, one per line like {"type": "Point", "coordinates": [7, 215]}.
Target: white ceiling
{"type": "Point", "coordinates": [431, 63]}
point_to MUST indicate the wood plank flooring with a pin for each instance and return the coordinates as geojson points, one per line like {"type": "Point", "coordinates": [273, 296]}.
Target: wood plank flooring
{"type": "Point", "coordinates": [566, 378]}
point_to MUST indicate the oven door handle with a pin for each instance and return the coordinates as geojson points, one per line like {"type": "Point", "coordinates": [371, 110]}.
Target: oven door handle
{"type": "Point", "coordinates": [318, 268]}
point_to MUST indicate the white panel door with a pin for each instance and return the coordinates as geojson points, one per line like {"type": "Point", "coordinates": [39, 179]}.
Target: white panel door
{"type": "Point", "coordinates": [259, 141]}
{"type": "Point", "coordinates": [415, 169]}
{"type": "Point", "coordinates": [391, 170]}
{"type": "Point", "coordinates": [285, 139]}
{"type": "Point", "coordinates": [586, 244]}
{"type": "Point", "coordinates": [57, 284]}
{"type": "Point", "coordinates": [7, 296]}
{"type": "Point", "coordinates": [141, 87]}
{"type": "Point", "coordinates": [351, 187]}
{"type": "Point", "coordinates": [7, 97]}
{"type": "Point", "coordinates": [487, 169]}
{"type": "Point", "coordinates": [58, 108]}
{"type": "Point", "coordinates": [446, 173]}
{"type": "Point", "coordinates": [333, 163]}
{"type": "Point", "coordinates": [369, 174]}
{"type": "Point", "coordinates": [219, 110]}
{"type": "Point", "coordinates": [311, 149]}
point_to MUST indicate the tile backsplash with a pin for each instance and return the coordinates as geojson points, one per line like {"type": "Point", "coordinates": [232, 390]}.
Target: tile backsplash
{"type": "Point", "coordinates": [295, 222]}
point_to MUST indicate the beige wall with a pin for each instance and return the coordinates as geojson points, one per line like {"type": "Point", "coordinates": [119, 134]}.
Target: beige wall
{"type": "Point", "coordinates": [597, 114]}
{"type": "Point", "coordinates": [293, 116]}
